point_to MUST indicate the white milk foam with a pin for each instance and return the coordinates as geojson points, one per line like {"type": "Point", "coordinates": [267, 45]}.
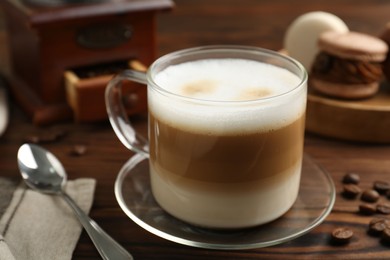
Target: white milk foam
{"type": "Point", "coordinates": [227, 80]}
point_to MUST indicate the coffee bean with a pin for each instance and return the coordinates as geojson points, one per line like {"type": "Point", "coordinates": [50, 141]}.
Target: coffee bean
{"type": "Point", "coordinates": [370, 196]}
{"type": "Point", "coordinates": [376, 229]}
{"type": "Point", "coordinates": [52, 136]}
{"type": "Point", "coordinates": [79, 150]}
{"type": "Point", "coordinates": [386, 236]}
{"type": "Point", "coordinates": [351, 191]}
{"type": "Point", "coordinates": [383, 208]}
{"type": "Point", "coordinates": [367, 209]}
{"type": "Point", "coordinates": [48, 138]}
{"type": "Point", "coordinates": [45, 137]}
{"type": "Point", "coordinates": [382, 187]}
{"type": "Point", "coordinates": [34, 139]}
{"type": "Point", "coordinates": [377, 226]}
{"type": "Point", "coordinates": [351, 178]}
{"type": "Point", "coordinates": [131, 100]}
{"type": "Point", "coordinates": [342, 235]}
{"type": "Point", "coordinates": [380, 219]}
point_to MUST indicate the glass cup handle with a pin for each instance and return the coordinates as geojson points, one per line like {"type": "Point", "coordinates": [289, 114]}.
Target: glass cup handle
{"type": "Point", "coordinates": [117, 113]}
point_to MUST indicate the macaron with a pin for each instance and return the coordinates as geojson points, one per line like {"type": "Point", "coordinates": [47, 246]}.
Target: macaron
{"type": "Point", "coordinates": [348, 65]}
{"type": "Point", "coordinates": [386, 64]}
{"type": "Point", "coordinates": [301, 37]}
{"type": "Point", "coordinates": [4, 113]}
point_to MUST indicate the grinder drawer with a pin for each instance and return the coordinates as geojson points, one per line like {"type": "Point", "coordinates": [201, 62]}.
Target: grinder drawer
{"type": "Point", "coordinates": [85, 89]}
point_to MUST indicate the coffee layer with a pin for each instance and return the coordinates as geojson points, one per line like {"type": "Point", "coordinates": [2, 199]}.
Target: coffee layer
{"type": "Point", "coordinates": [224, 158]}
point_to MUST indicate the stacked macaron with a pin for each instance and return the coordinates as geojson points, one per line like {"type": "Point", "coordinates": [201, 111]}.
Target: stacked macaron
{"type": "Point", "coordinates": [386, 64]}
{"type": "Point", "coordinates": [345, 64]}
{"type": "Point", "coordinates": [349, 65]}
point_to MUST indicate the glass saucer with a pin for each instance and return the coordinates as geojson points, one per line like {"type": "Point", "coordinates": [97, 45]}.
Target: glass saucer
{"type": "Point", "coordinates": [315, 201]}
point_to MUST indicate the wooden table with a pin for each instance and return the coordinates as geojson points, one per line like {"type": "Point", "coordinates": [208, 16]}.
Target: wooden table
{"type": "Point", "coordinates": [200, 22]}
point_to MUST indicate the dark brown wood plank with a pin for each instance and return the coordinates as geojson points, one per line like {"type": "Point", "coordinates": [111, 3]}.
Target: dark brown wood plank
{"type": "Point", "coordinates": [194, 23]}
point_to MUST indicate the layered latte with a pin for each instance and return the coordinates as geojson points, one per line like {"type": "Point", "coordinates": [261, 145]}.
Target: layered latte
{"type": "Point", "coordinates": [226, 141]}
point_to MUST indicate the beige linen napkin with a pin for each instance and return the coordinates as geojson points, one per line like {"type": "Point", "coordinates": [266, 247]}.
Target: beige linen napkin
{"type": "Point", "coordinates": [39, 226]}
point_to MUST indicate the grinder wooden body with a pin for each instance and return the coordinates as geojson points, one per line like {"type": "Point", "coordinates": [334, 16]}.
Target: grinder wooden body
{"type": "Point", "coordinates": [45, 42]}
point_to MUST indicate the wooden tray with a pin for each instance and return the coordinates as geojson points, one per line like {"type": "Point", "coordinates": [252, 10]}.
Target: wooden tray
{"type": "Point", "coordinates": [360, 120]}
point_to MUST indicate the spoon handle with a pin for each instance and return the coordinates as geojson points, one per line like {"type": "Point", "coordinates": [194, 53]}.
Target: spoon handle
{"type": "Point", "coordinates": [108, 248]}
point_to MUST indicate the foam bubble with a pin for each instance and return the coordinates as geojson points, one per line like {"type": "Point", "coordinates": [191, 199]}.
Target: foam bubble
{"type": "Point", "coordinates": [227, 80]}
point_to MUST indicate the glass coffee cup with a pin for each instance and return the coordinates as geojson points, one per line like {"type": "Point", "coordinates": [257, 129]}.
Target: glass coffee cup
{"type": "Point", "coordinates": [225, 133]}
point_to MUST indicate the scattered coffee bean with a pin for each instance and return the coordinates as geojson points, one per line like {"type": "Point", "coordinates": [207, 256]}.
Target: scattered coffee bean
{"type": "Point", "coordinates": [351, 191]}
{"type": "Point", "coordinates": [45, 137]}
{"type": "Point", "coordinates": [367, 209]}
{"type": "Point", "coordinates": [382, 187]}
{"type": "Point", "coordinates": [34, 139]}
{"type": "Point", "coordinates": [342, 235]}
{"type": "Point", "coordinates": [383, 208]}
{"type": "Point", "coordinates": [386, 235]}
{"type": "Point", "coordinates": [376, 229]}
{"type": "Point", "coordinates": [376, 220]}
{"type": "Point", "coordinates": [370, 196]}
{"type": "Point", "coordinates": [377, 226]}
{"type": "Point", "coordinates": [351, 178]}
{"type": "Point", "coordinates": [52, 136]}
{"type": "Point", "coordinates": [48, 138]}
{"type": "Point", "coordinates": [130, 100]}
{"type": "Point", "coordinates": [78, 150]}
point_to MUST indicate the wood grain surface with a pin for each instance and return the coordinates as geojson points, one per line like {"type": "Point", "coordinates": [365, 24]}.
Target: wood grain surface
{"type": "Point", "coordinates": [200, 22]}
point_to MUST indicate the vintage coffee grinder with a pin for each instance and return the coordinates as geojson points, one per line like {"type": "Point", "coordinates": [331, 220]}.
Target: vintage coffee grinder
{"type": "Point", "coordinates": [63, 53]}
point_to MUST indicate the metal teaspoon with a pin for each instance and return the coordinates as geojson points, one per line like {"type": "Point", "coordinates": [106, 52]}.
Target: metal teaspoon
{"type": "Point", "coordinates": [43, 172]}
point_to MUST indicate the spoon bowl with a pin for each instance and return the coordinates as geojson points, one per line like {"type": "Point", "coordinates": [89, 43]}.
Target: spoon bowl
{"type": "Point", "coordinates": [43, 172]}
{"type": "Point", "coordinates": [40, 169]}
